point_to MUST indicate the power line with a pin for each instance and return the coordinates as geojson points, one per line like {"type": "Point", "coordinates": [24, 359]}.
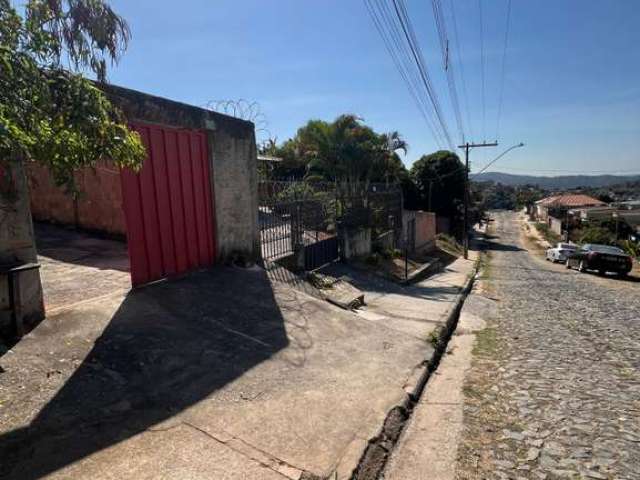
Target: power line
{"type": "Point", "coordinates": [396, 28]}
{"type": "Point", "coordinates": [459, 55]}
{"type": "Point", "coordinates": [402, 48]}
{"type": "Point", "coordinates": [484, 136]}
{"type": "Point", "coordinates": [504, 60]}
{"type": "Point", "coordinates": [385, 30]}
{"type": "Point", "coordinates": [447, 64]}
{"type": "Point", "coordinates": [409, 34]}
{"type": "Point", "coordinates": [584, 172]}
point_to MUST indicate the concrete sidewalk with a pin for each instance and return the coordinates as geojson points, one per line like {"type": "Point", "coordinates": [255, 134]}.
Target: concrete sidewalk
{"type": "Point", "coordinates": [416, 309]}
{"type": "Point", "coordinates": [428, 447]}
{"type": "Point", "coordinates": [225, 374]}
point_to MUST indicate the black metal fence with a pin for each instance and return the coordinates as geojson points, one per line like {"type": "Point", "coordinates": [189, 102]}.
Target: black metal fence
{"type": "Point", "coordinates": [301, 221]}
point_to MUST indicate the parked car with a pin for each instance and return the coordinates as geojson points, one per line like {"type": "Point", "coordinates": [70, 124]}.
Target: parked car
{"type": "Point", "coordinates": [602, 258]}
{"type": "Point", "coordinates": [560, 252]}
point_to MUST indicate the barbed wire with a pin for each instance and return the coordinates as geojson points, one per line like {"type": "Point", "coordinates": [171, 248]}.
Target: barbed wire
{"type": "Point", "coordinates": [244, 110]}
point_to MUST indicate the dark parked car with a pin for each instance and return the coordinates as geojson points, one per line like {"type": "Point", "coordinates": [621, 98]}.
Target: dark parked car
{"type": "Point", "coordinates": [602, 258]}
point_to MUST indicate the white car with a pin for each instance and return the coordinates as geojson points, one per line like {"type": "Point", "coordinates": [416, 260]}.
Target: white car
{"type": "Point", "coordinates": [560, 251]}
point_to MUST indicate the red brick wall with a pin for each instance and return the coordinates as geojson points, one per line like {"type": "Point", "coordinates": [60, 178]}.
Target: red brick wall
{"type": "Point", "coordinates": [99, 206]}
{"type": "Point", "coordinates": [425, 229]}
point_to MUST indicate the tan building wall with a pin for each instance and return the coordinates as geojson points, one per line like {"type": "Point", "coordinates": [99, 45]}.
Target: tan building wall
{"type": "Point", "coordinates": [425, 229]}
{"type": "Point", "coordinates": [98, 206]}
{"type": "Point", "coordinates": [555, 225]}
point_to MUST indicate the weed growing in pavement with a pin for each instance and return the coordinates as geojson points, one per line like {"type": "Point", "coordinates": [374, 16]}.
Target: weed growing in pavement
{"type": "Point", "coordinates": [469, 391]}
{"type": "Point", "coordinates": [449, 244]}
{"type": "Point", "coordinates": [434, 336]}
{"type": "Point", "coordinates": [486, 342]}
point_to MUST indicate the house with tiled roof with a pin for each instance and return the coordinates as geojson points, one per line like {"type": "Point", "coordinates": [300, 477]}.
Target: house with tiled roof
{"type": "Point", "coordinates": [564, 202]}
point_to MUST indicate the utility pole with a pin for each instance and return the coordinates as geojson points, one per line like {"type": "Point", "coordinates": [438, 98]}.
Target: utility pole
{"type": "Point", "coordinates": [466, 147]}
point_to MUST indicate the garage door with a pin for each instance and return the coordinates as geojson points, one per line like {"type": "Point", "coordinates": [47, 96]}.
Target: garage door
{"type": "Point", "coordinates": [168, 205]}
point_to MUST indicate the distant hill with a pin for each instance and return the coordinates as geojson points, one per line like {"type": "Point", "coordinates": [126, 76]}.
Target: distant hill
{"type": "Point", "coordinates": [564, 182]}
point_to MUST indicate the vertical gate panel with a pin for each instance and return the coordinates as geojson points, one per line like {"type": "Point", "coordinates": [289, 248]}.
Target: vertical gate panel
{"type": "Point", "coordinates": [189, 205]}
{"type": "Point", "coordinates": [163, 201]}
{"type": "Point", "coordinates": [199, 199]}
{"type": "Point", "coordinates": [150, 211]}
{"type": "Point", "coordinates": [132, 205]}
{"type": "Point", "coordinates": [168, 205]}
{"type": "Point", "coordinates": [176, 198]}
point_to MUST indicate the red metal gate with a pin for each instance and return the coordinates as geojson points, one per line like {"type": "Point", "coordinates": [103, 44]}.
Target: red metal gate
{"type": "Point", "coordinates": [168, 205]}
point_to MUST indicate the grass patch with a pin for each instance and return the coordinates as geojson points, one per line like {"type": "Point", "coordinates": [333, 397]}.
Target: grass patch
{"type": "Point", "coordinates": [547, 234]}
{"type": "Point", "coordinates": [449, 244]}
{"type": "Point", "coordinates": [486, 342]}
{"type": "Point", "coordinates": [320, 281]}
{"type": "Point", "coordinates": [471, 392]}
{"type": "Point", "coordinates": [484, 265]}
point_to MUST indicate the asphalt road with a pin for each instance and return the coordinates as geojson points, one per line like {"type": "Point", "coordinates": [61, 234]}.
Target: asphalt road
{"type": "Point", "coordinates": [554, 390]}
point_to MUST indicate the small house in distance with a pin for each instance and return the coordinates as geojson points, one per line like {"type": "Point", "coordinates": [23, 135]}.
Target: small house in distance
{"type": "Point", "coordinates": [553, 210]}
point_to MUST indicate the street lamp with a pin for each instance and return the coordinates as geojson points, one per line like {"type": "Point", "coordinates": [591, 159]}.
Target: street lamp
{"type": "Point", "coordinates": [518, 145]}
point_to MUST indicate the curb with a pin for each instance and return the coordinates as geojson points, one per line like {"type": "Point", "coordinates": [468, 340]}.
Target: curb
{"type": "Point", "coordinates": [379, 448]}
{"type": "Point", "coordinates": [423, 272]}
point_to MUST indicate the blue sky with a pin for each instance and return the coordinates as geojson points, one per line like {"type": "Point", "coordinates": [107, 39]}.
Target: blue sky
{"type": "Point", "coordinates": [572, 85]}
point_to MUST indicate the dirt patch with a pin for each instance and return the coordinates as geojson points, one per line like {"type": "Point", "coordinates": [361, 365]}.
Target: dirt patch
{"type": "Point", "coordinates": [398, 269]}
{"type": "Point", "coordinates": [377, 453]}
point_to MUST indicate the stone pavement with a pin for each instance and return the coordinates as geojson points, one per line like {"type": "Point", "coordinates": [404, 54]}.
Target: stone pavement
{"type": "Point", "coordinates": [554, 389]}
{"type": "Point", "coordinates": [226, 374]}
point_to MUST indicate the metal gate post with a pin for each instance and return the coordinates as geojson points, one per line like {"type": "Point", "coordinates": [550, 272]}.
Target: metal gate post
{"type": "Point", "coordinates": [297, 233]}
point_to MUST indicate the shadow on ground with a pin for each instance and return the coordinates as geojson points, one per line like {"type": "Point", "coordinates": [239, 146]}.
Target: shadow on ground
{"type": "Point", "coordinates": [630, 278]}
{"type": "Point", "coordinates": [167, 346]}
{"type": "Point", "coordinates": [501, 247]}
{"type": "Point", "coordinates": [375, 284]}
{"type": "Point", "coordinates": [72, 246]}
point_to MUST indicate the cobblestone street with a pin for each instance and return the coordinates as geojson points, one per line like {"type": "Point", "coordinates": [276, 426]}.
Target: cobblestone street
{"type": "Point", "coordinates": [554, 389]}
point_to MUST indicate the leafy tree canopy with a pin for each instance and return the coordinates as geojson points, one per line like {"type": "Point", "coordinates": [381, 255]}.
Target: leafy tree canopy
{"type": "Point", "coordinates": [49, 112]}
{"type": "Point", "coordinates": [440, 181]}
{"type": "Point", "coordinates": [343, 150]}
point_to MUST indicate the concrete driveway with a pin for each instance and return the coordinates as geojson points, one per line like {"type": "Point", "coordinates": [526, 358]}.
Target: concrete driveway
{"type": "Point", "coordinates": [222, 374]}
{"type": "Point", "coordinates": [76, 266]}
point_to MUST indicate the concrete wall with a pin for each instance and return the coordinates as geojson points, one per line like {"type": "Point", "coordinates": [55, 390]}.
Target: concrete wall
{"type": "Point", "coordinates": [17, 245]}
{"type": "Point", "coordinates": [235, 178]}
{"type": "Point", "coordinates": [356, 243]}
{"type": "Point", "coordinates": [555, 225]}
{"type": "Point", "coordinates": [99, 206]}
{"type": "Point", "coordinates": [425, 231]}
{"type": "Point", "coordinates": [443, 225]}
{"type": "Point", "coordinates": [542, 212]}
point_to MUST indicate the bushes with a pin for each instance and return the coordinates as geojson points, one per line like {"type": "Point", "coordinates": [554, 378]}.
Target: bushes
{"type": "Point", "coordinates": [449, 244]}
{"type": "Point", "coordinates": [547, 234]}
{"type": "Point", "coordinates": [630, 247]}
{"type": "Point", "coordinates": [599, 235]}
